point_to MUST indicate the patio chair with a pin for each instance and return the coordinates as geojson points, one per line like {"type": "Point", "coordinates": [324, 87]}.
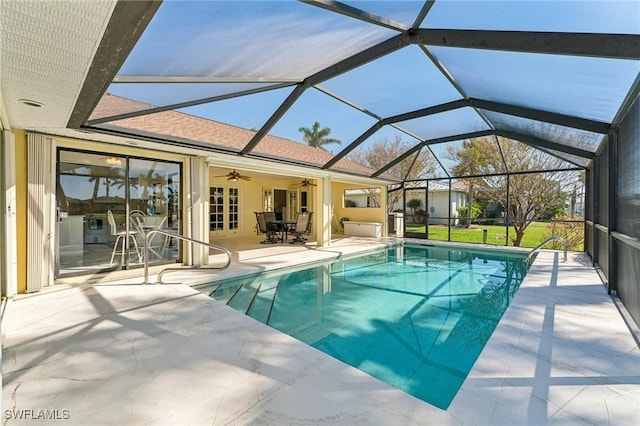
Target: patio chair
{"type": "Point", "coordinates": [266, 227]}
{"type": "Point", "coordinates": [303, 227]}
{"type": "Point", "coordinates": [120, 240]}
{"type": "Point", "coordinates": [158, 242]}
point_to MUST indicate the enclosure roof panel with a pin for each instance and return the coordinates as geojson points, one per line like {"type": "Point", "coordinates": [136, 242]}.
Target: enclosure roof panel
{"type": "Point", "coordinates": [246, 39]}
{"type": "Point", "coordinates": [599, 16]}
{"type": "Point", "coordinates": [555, 75]}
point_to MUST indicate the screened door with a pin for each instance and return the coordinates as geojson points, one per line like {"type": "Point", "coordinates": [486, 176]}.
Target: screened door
{"type": "Point", "coordinates": [416, 217]}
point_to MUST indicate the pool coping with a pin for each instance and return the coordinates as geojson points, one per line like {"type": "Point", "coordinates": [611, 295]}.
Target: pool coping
{"type": "Point", "coordinates": [122, 352]}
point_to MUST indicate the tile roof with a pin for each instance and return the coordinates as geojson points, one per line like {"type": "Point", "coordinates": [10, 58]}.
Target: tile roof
{"type": "Point", "coordinates": [184, 127]}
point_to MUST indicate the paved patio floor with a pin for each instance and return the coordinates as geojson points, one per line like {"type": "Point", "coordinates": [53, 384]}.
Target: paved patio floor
{"type": "Point", "coordinates": [122, 353]}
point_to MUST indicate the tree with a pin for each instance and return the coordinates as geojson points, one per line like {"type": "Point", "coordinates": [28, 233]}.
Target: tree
{"type": "Point", "coordinates": [470, 159]}
{"type": "Point", "coordinates": [414, 203]}
{"type": "Point", "coordinates": [532, 196]}
{"type": "Point", "coordinates": [317, 137]}
{"type": "Point", "coordinates": [381, 152]}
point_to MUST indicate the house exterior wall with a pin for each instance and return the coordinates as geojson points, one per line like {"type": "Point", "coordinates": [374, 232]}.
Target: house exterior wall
{"type": "Point", "coordinates": [24, 216]}
{"type": "Point", "coordinates": [439, 201]}
{"type": "Point", "coordinates": [360, 214]}
{"type": "Point", "coordinates": [251, 195]}
{"type": "Point", "coordinates": [251, 199]}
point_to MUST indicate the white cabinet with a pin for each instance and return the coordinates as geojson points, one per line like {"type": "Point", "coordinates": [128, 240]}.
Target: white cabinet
{"type": "Point", "coordinates": [363, 229]}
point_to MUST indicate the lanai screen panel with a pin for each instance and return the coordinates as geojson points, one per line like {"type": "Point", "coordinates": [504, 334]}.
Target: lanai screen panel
{"type": "Point", "coordinates": [277, 40]}
{"type": "Point", "coordinates": [450, 154]}
{"type": "Point", "coordinates": [166, 94]}
{"type": "Point", "coordinates": [427, 166]}
{"type": "Point", "coordinates": [569, 158]}
{"type": "Point", "coordinates": [402, 12]}
{"type": "Point", "coordinates": [256, 109]}
{"type": "Point", "coordinates": [603, 16]}
{"type": "Point", "coordinates": [458, 121]}
{"type": "Point", "coordinates": [563, 135]}
{"type": "Point", "coordinates": [628, 207]}
{"type": "Point", "coordinates": [271, 67]}
{"type": "Point", "coordinates": [586, 87]}
{"type": "Point", "coordinates": [382, 146]}
{"type": "Point", "coordinates": [344, 122]}
{"type": "Point", "coordinates": [402, 81]}
{"type": "Point", "coordinates": [520, 158]}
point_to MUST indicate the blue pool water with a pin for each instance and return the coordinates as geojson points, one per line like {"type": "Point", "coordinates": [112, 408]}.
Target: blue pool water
{"type": "Point", "coordinates": [415, 317]}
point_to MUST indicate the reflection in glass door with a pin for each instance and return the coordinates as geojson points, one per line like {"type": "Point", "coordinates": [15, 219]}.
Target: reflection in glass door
{"type": "Point", "coordinates": [105, 206]}
{"type": "Point", "coordinates": [153, 196]}
{"type": "Point", "coordinates": [91, 204]}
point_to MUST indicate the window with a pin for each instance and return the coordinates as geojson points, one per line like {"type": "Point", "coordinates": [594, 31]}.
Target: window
{"type": "Point", "coordinates": [366, 197]}
{"type": "Point", "coordinates": [216, 208]}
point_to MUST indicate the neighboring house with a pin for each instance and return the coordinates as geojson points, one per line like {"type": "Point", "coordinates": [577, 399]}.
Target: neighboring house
{"type": "Point", "coordinates": [439, 201]}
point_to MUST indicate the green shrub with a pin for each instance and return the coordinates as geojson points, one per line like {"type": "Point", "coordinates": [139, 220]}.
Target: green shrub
{"type": "Point", "coordinates": [414, 203]}
{"type": "Point", "coordinates": [463, 214]}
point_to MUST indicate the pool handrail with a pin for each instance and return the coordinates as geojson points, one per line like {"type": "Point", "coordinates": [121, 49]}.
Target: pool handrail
{"type": "Point", "coordinates": [548, 240]}
{"type": "Point", "coordinates": [147, 240]}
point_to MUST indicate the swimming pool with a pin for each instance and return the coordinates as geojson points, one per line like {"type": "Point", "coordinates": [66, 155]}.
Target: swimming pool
{"type": "Point", "coordinates": [416, 317]}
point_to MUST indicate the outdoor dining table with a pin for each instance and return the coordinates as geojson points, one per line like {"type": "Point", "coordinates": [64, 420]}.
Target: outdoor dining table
{"type": "Point", "coordinates": [283, 226]}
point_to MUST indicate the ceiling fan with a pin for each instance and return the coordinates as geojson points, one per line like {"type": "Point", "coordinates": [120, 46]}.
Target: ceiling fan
{"type": "Point", "coordinates": [234, 176]}
{"type": "Point", "coordinates": [306, 183]}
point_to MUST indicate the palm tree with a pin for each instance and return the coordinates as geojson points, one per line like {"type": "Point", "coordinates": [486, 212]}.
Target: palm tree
{"type": "Point", "coordinates": [317, 137]}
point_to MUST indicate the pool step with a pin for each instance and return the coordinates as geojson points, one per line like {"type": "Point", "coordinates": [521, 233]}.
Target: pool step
{"type": "Point", "coordinates": [244, 297]}
{"type": "Point", "coordinates": [253, 299]}
{"type": "Point", "coordinates": [224, 294]}
{"type": "Point", "coordinates": [261, 308]}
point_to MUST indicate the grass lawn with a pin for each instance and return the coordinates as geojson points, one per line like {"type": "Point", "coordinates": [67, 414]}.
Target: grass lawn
{"type": "Point", "coordinates": [533, 236]}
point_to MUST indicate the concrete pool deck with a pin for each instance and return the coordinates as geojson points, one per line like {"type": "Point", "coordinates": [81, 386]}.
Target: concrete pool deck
{"type": "Point", "coordinates": [119, 353]}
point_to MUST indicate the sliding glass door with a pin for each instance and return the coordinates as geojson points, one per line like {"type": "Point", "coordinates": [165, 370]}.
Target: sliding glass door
{"type": "Point", "coordinates": [106, 206]}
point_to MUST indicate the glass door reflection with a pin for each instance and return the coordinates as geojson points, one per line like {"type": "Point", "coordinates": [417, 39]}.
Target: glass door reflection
{"type": "Point", "coordinates": [106, 204]}
{"type": "Point", "coordinates": [91, 205]}
{"type": "Point", "coordinates": [154, 194]}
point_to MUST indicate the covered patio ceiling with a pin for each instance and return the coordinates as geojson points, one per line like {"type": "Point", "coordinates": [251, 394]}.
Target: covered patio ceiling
{"type": "Point", "coordinates": [557, 76]}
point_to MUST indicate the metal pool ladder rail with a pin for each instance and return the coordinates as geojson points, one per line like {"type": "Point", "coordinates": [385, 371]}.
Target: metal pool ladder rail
{"type": "Point", "coordinates": [147, 239]}
{"type": "Point", "coordinates": [548, 240]}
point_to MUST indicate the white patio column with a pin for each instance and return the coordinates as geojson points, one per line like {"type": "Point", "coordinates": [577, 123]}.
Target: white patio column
{"type": "Point", "coordinates": [323, 216]}
{"type": "Point", "coordinates": [199, 196]}
{"type": "Point", "coordinates": [383, 206]}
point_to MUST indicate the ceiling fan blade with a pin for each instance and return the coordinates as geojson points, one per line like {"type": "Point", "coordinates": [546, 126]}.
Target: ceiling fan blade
{"type": "Point", "coordinates": [244, 177]}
